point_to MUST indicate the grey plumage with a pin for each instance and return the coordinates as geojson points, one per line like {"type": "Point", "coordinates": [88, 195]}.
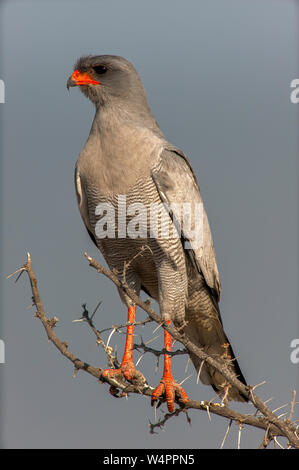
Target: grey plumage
{"type": "Point", "coordinates": [127, 154]}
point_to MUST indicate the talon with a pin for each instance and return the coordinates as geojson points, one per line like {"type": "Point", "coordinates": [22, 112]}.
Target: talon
{"type": "Point", "coordinates": [126, 371]}
{"type": "Point", "coordinates": [107, 373]}
{"type": "Point", "coordinates": [168, 390]}
{"type": "Point", "coordinates": [157, 393]}
{"type": "Point", "coordinates": [129, 371]}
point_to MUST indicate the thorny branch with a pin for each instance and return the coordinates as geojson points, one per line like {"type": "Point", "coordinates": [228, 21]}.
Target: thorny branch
{"type": "Point", "coordinates": [108, 350]}
{"type": "Point", "coordinates": [158, 352]}
{"type": "Point", "coordinates": [273, 425]}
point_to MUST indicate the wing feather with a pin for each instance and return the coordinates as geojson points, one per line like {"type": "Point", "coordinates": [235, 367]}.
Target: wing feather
{"type": "Point", "coordinates": [176, 183]}
{"type": "Point", "coordinates": [82, 203]}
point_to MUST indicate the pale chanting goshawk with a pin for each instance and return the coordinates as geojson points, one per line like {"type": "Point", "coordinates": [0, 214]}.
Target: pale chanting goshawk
{"type": "Point", "coordinates": [126, 155]}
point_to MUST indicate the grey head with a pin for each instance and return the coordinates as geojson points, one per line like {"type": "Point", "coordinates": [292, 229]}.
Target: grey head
{"type": "Point", "coordinates": [111, 81]}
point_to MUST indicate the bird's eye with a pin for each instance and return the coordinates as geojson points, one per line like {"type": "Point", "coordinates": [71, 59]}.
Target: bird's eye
{"type": "Point", "coordinates": [100, 69]}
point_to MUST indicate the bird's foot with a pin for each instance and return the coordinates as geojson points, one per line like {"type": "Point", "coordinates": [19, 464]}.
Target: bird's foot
{"type": "Point", "coordinates": [168, 390]}
{"type": "Point", "coordinates": [126, 371]}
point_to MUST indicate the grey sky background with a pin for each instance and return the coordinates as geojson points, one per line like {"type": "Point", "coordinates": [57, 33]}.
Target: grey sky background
{"type": "Point", "coordinates": [217, 76]}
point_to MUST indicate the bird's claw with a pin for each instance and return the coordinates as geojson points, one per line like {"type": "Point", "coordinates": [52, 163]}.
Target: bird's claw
{"type": "Point", "coordinates": [126, 371]}
{"type": "Point", "coordinates": [168, 390]}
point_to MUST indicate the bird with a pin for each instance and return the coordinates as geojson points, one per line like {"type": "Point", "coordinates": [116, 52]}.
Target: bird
{"type": "Point", "coordinates": [127, 160]}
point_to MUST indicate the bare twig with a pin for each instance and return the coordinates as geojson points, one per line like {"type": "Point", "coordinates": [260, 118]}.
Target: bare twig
{"type": "Point", "coordinates": [158, 352]}
{"type": "Point", "coordinates": [226, 433]}
{"type": "Point", "coordinates": [266, 439]}
{"type": "Point", "coordinates": [125, 325]}
{"type": "Point", "coordinates": [112, 359]}
{"type": "Point", "coordinates": [239, 435]}
{"type": "Point", "coordinates": [160, 424]}
{"type": "Point", "coordinates": [292, 405]}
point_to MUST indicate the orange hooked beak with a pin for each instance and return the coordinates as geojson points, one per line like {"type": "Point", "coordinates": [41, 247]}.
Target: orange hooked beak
{"type": "Point", "coordinates": [79, 78]}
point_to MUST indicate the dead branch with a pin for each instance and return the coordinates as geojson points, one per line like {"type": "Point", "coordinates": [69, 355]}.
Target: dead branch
{"type": "Point", "coordinates": [112, 359]}
{"type": "Point", "coordinates": [285, 427]}
{"type": "Point", "coordinates": [273, 425]}
{"type": "Point", "coordinates": [158, 352]}
{"type": "Point", "coordinates": [161, 423]}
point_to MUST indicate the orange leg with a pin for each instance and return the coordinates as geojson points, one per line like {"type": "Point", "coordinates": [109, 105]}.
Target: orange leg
{"type": "Point", "coordinates": [127, 368]}
{"type": "Point", "coordinates": [168, 389]}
